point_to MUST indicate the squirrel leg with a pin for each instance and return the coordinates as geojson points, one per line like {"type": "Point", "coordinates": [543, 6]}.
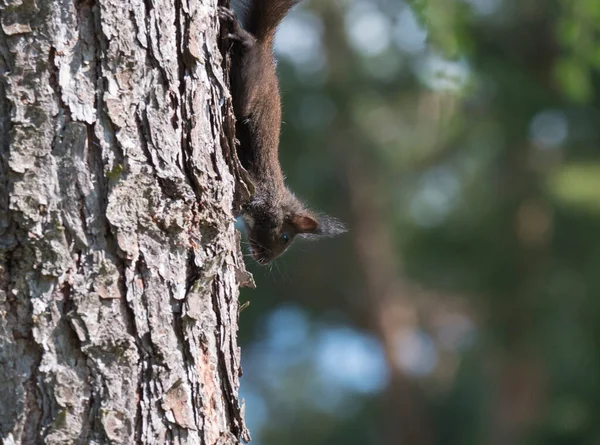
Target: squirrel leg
{"type": "Point", "coordinates": [237, 33]}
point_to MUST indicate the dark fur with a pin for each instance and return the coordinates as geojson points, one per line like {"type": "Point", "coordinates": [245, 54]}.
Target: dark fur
{"type": "Point", "coordinates": [273, 216]}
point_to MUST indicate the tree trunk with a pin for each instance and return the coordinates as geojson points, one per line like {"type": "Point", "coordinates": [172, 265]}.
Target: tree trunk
{"type": "Point", "coordinates": [119, 260]}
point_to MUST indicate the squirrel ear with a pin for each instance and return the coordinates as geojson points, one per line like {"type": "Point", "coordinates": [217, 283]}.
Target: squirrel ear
{"type": "Point", "coordinates": [329, 226]}
{"type": "Point", "coordinates": [304, 224]}
{"type": "Point", "coordinates": [311, 227]}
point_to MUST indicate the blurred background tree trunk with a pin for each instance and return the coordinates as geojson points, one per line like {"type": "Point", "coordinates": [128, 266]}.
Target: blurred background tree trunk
{"type": "Point", "coordinates": [389, 304]}
{"type": "Point", "coordinates": [119, 260]}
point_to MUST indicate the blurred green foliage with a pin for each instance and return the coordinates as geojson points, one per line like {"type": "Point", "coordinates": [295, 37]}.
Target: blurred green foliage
{"type": "Point", "coordinates": [460, 141]}
{"type": "Point", "coordinates": [578, 30]}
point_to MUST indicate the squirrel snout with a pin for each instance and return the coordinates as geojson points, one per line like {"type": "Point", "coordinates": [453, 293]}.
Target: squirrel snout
{"type": "Point", "coordinates": [259, 254]}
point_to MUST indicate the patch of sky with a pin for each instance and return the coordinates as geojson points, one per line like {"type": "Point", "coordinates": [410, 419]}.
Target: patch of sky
{"type": "Point", "coordinates": [368, 30]}
{"type": "Point", "coordinates": [409, 35]}
{"type": "Point", "coordinates": [484, 7]}
{"type": "Point", "coordinates": [440, 74]}
{"type": "Point", "coordinates": [257, 414]}
{"type": "Point", "coordinates": [287, 328]}
{"type": "Point", "coordinates": [549, 129]}
{"type": "Point", "coordinates": [416, 353]}
{"type": "Point", "coordinates": [351, 360]}
{"type": "Point", "coordinates": [455, 332]}
{"type": "Point", "coordinates": [333, 363]}
{"type": "Point", "coordinates": [299, 41]}
{"type": "Point", "coordinates": [438, 193]}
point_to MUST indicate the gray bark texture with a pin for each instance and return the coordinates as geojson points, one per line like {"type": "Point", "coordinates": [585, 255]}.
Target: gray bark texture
{"type": "Point", "coordinates": [119, 259]}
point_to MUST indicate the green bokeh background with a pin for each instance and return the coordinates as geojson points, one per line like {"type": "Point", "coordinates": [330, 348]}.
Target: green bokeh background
{"type": "Point", "coordinates": [460, 142]}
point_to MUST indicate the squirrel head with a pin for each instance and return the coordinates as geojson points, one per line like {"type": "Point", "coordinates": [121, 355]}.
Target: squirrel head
{"type": "Point", "coordinates": [273, 224]}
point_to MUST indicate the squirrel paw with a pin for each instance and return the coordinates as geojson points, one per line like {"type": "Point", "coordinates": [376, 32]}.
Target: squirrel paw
{"type": "Point", "coordinates": [227, 15]}
{"type": "Point", "coordinates": [238, 34]}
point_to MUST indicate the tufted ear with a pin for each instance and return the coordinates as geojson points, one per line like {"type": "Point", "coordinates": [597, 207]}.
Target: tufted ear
{"type": "Point", "coordinates": [312, 227]}
{"type": "Point", "coordinates": [329, 226]}
{"type": "Point", "coordinates": [304, 223]}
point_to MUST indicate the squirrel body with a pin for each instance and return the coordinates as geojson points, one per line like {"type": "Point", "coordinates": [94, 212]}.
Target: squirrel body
{"type": "Point", "coordinates": [273, 216]}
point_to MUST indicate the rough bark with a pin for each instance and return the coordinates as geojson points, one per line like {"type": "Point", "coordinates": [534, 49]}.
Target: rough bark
{"type": "Point", "coordinates": [119, 260]}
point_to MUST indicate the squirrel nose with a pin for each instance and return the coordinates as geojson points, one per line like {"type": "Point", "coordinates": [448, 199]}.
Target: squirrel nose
{"type": "Point", "coordinates": [258, 253]}
{"type": "Point", "coordinates": [261, 259]}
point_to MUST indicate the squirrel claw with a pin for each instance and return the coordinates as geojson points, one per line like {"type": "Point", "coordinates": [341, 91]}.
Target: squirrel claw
{"type": "Point", "coordinates": [227, 14]}
{"type": "Point", "coordinates": [236, 32]}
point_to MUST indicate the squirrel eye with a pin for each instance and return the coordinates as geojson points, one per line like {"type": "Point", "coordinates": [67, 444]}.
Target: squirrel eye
{"type": "Point", "coordinates": [285, 238]}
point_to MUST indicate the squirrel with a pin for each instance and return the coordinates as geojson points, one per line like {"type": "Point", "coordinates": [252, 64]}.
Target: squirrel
{"type": "Point", "coordinates": [273, 216]}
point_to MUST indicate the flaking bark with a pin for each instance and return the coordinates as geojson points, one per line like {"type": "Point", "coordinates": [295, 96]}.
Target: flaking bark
{"type": "Point", "coordinates": [119, 260]}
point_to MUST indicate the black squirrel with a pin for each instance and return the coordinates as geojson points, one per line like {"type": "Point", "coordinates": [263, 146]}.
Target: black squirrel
{"type": "Point", "coordinates": [273, 216]}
